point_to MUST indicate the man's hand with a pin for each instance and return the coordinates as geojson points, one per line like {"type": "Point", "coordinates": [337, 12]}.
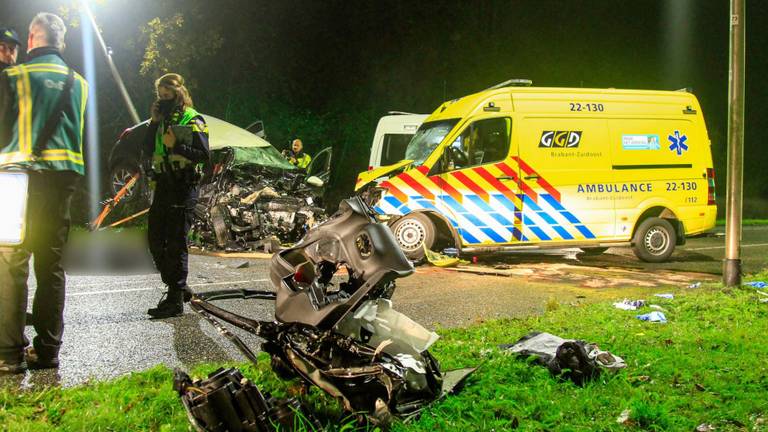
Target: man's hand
{"type": "Point", "coordinates": [169, 139]}
{"type": "Point", "coordinates": [154, 111]}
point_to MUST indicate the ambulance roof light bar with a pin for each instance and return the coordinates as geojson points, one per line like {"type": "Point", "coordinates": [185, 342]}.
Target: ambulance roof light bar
{"type": "Point", "coordinates": [515, 82]}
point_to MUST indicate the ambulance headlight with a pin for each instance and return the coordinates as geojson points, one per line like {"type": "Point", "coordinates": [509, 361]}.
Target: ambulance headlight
{"type": "Point", "coordinates": [13, 189]}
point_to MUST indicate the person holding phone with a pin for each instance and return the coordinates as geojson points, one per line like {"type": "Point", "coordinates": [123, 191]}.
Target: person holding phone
{"type": "Point", "coordinates": [177, 139]}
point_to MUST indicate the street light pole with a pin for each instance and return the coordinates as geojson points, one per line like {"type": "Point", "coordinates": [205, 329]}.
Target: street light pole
{"type": "Point", "coordinates": [115, 74]}
{"type": "Point", "coordinates": [733, 199]}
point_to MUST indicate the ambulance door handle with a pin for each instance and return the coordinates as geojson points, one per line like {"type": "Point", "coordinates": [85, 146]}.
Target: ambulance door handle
{"type": "Point", "coordinates": [531, 177]}
{"type": "Point", "coordinates": [506, 178]}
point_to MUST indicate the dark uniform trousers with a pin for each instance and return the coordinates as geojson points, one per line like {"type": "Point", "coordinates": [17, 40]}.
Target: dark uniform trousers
{"type": "Point", "coordinates": [170, 219]}
{"type": "Point", "coordinates": [48, 221]}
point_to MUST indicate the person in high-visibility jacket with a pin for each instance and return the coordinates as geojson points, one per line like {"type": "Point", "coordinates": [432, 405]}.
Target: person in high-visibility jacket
{"type": "Point", "coordinates": [296, 155]}
{"type": "Point", "coordinates": [177, 139]}
{"type": "Point", "coordinates": [42, 107]}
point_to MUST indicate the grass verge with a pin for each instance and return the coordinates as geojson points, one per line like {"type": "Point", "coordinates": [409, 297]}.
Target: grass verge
{"type": "Point", "coordinates": [745, 222]}
{"type": "Point", "coordinates": [706, 366]}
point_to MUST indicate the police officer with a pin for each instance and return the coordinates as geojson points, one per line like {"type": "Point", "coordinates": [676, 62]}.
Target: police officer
{"type": "Point", "coordinates": [177, 139]}
{"type": "Point", "coordinates": [9, 47]}
{"type": "Point", "coordinates": [42, 104]}
{"type": "Point", "coordinates": [296, 155]}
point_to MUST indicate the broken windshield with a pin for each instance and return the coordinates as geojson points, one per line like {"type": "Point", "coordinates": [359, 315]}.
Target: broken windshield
{"type": "Point", "coordinates": [426, 140]}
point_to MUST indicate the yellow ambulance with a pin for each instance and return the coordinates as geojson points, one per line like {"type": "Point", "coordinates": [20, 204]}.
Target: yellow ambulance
{"type": "Point", "coordinates": [516, 166]}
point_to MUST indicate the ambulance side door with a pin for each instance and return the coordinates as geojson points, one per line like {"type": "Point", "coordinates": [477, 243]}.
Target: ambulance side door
{"type": "Point", "coordinates": [474, 186]}
{"type": "Point", "coordinates": [565, 166]}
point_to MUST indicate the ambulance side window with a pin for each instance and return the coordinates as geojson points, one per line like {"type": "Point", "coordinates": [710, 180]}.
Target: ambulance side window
{"type": "Point", "coordinates": [482, 142]}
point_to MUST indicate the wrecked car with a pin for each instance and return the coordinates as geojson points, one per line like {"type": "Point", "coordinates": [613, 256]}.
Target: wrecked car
{"type": "Point", "coordinates": [250, 196]}
{"type": "Point", "coordinates": [334, 325]}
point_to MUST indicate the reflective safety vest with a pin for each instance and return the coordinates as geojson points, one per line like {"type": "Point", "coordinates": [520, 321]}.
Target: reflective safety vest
{"type": "Point", "coordinates": [36, 86]}
{"type": "Point", "coordinates": [303, 161]}
{"type": "Point", "coordinates": [176, 161]}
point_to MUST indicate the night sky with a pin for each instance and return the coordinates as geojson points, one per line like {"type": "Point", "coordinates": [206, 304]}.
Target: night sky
{"type": "Point", "coordinates": [327, 70]}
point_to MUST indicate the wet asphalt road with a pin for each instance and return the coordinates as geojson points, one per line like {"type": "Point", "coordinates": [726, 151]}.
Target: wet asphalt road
{"type": "Point", "coordinates": [108, 334]}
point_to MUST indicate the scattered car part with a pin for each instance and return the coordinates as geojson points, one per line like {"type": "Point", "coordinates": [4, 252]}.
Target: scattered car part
{"type": "Point", "coordinates": [343, 336]}
{"type": "Point", "coordinates": [227, 401]}
{"type": "Point", "coordinates": [570, 359]}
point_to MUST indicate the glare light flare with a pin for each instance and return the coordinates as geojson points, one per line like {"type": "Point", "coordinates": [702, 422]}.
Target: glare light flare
{"type": "Point", "coordinates": [92, 116]}
{"type": "Point", "coordinates": [13, 189]}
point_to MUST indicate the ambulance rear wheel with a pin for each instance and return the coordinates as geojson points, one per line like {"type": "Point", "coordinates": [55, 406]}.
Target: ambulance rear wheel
{"type": "Point", "coordinates": [412, 233]}
{"type": "Point", "coordinates": [654, 240]}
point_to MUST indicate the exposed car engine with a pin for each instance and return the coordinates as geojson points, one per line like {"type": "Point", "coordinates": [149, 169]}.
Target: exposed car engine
{"type": "Point", "coordinates": [254, 207]}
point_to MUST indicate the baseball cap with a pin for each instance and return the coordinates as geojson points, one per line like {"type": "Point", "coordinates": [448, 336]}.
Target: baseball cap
{"type": "Point", "coordinates": [9, 35]}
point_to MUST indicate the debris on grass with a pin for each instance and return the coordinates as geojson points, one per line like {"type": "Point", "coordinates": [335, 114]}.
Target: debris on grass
{"type": "Point", "coordinates": [695, 285]}
{"type": "Point", "coordinates": [757, 284]}
{"type": "Point", "coordinates": [629, 304]}
{"type": "Point", "coordinates": [623, 418]}
{"type": "Point", "coordinates": [665, 296]}
{"type": "Point", "coordinates": [705, 427]}
{"type": "Point", "coordinates": [575, 360]}
{"type": "Point", "coordinates": [654, 316]}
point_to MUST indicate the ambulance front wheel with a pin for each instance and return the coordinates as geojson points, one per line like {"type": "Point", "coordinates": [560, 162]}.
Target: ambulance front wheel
{"type": "Point", "coordinates": [412, 233]}
{"type": "Point", "coordinates": [654, 240]}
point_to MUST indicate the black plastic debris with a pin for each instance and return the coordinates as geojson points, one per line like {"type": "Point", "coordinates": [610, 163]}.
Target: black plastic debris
{"type": "Point", "coordinates": [226, 401]}
{"type": "Point", "coordinates": [569, 359]}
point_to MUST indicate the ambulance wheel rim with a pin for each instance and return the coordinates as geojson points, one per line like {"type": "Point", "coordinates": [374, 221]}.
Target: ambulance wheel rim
{"type": "Point", "coordinates": [410, 234]}
{"type": "Point", "coordinates": [656, 240]}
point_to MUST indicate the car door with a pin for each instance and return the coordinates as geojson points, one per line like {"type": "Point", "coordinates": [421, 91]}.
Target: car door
{"type": "Point", "coordinates": [320, 166]}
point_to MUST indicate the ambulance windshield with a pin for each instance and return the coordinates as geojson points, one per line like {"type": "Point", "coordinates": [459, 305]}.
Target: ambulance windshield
{"type": "Point", "coordinates": [427, 139]}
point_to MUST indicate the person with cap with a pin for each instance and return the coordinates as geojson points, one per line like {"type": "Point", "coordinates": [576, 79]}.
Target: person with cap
{"type": "Point", "coordinates": [9, 47]}
{"type": "Point", "coordinates": [42, 110]}
{"type": "Point", "coordinates": [177, 139]}
{"type": "Point", "coordinates": [296, 155]}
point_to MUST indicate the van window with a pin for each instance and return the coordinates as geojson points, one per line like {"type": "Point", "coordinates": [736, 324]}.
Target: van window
{"type": "Point", "coordinates": [482, 142]}
{"type": "Point", "coordinates": [427, 138]}
{"type": "Point", "coordinates": [393, 148]}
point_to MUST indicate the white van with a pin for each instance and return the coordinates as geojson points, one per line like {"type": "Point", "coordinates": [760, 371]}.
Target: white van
{"type": "Point", "coordinates": [393, 133]}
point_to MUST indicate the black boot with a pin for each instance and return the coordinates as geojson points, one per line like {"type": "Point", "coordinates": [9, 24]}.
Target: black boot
{"type": "Point", "coordinates": [170, 306]}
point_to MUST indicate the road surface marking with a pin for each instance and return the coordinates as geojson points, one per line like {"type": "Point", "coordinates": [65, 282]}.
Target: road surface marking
{"type": "Point", "coordinates": [723, 247]}
{"type": "Point", "coordinates": [87, 293]}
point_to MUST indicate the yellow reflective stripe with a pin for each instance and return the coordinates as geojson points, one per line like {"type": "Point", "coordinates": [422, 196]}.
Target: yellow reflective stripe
{"type": "Point", "coordinates": [24, 122]}
{"type": "Point", "coordinates": [58, 154]}
{"type": "Point", "coordinates": [84, 96]}
{"type": "Point", "coordinates": [48, 155]}
{"type": "Point", "coordinates": [196, 128]}
{"type": "Point", "coordinates": [28, 116]}
{"type": "Point", "coordinates": [46, 69]}
{"type": "Point", "coordinates": [53, 65]}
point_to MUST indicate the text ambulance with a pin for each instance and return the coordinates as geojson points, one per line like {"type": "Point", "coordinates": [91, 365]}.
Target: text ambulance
{"type": "Point", "coordinates": [525, 167]}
